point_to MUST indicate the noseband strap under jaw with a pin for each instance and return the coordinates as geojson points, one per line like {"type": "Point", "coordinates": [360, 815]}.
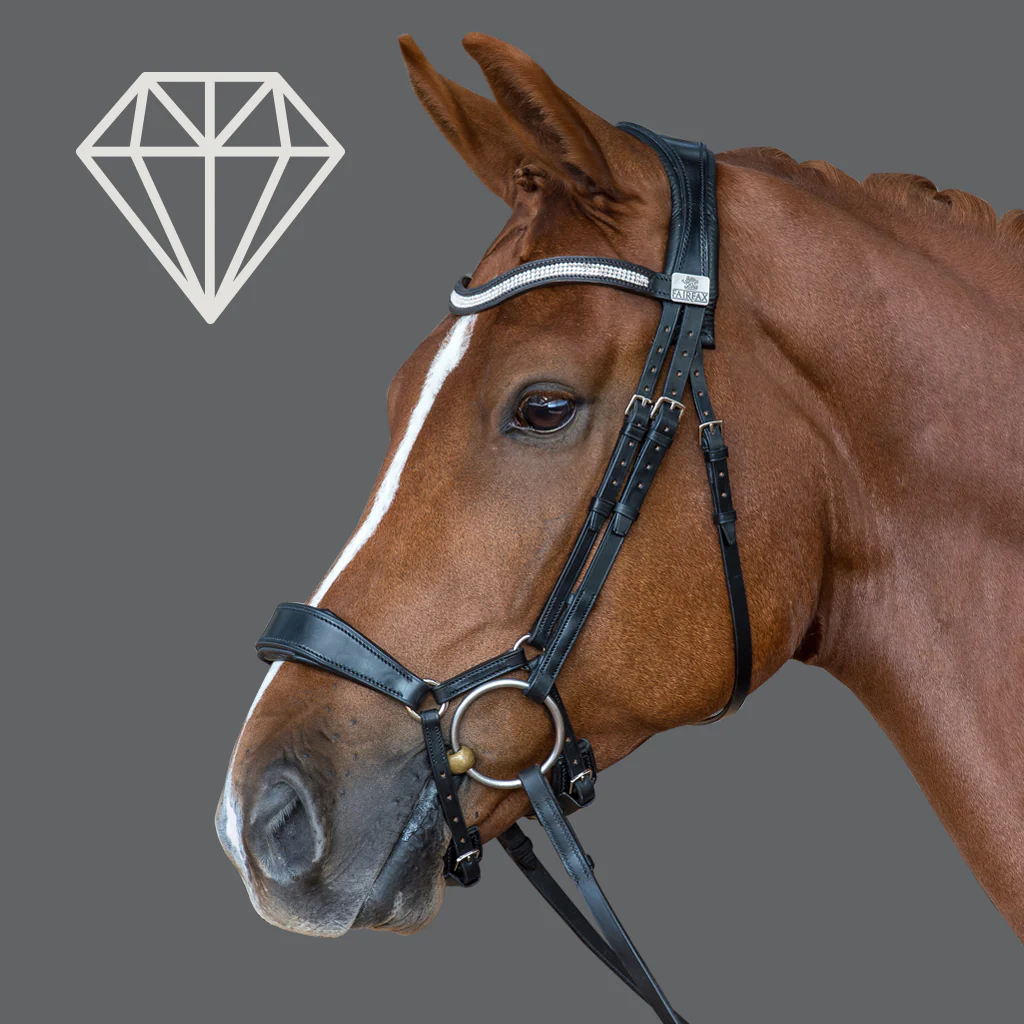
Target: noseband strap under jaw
{"type": "Point", "coordinates": [687, 290]}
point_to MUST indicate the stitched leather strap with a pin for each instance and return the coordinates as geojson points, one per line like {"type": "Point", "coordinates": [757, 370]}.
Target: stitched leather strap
{"type": "Point", "coordinates": [575, 772]}
{"type": "Point", "coordinates": [632, 434]}
{"type": "Point", "coordinates": [518, 845]}
{"type": "Point", "coordinates": [494, 668]}
{"type": "Point", "coordinates": [657, 440]}
{"type": "Point", "coordinates": [578, 867]}
{"type": "Point", "coordinates": [313, 636]}
{"type": "Point", "coordinates": [462, 858]}
{"type": "Point", "coordinates": [716, 456]}
{"type": "Point", "coordinates": [574, 775]}
{"type": "Point", "coordinates": [690, 169]}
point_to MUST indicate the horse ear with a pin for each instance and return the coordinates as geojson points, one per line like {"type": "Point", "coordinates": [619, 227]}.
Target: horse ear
{"type": "Point", "coordinates": [580, 145]}
{"type": "Point", "coordinates": [475, 126]}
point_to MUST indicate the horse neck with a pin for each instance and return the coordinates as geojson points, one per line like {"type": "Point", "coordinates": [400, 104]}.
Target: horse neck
{"type": "Point", "coordinates": [898, 353]}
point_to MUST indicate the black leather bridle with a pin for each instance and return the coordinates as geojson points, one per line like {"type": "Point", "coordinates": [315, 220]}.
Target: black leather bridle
{"type": "Point", "coordinates": [687, 291]}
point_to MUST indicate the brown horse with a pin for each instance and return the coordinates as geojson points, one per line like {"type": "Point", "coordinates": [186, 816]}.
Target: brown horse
{"type": "Point", "coordinates": [869, 367]}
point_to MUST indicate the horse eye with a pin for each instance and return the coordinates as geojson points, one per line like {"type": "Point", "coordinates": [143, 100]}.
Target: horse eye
{"type": "Point", "coordinates": [544, 412]}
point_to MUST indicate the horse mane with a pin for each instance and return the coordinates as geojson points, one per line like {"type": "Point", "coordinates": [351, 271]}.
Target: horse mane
{"type": "Point", "coordinates": [912, 193]}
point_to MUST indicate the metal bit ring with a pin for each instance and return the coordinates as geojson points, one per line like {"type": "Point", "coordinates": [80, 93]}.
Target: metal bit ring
{"type": "Point", "coordinates": [508, 684]}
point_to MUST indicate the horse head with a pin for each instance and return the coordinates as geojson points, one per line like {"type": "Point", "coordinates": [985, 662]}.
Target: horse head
{"type": "Point", "coordinates": [501, 424]}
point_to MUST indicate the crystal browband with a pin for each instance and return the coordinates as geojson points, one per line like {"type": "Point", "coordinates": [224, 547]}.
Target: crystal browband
{"type": "Point", "coordinates": [631, 277]}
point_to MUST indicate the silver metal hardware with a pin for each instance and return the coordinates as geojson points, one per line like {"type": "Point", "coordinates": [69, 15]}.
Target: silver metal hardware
{"type": "Point", "coordinates": [692, 289]}
{"type": "Point", "coordinates": [508, 684]}
{"type": "Point", "coordinates": [522, 640]}
{"type": "Point", "coordinates": [665, 400]}
{"type": "Point", "coordinates": [576, 778]}
{"type": "Point", "coordinates": [440, 711]}
{"type": "Point", "coordinates": [465, 856]}
{"type": "Point", "coordinates": [636, 398]}
{"type": "Point", "coordinates": [710, 424]}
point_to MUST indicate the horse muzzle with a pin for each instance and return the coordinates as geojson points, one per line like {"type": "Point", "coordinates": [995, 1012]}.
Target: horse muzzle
{"type": "Point", "coordinates": [320, 855]}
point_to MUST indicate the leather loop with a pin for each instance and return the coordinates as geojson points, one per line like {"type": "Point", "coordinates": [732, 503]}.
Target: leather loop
{"type": "Point", "coordinates": [625, 516]}
{"type": "Point", "coordinates": [574, 773]}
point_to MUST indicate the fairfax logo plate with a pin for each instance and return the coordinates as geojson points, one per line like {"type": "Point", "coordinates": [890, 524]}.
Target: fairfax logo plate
{"type": "Point", "coordinates": [691, 289]}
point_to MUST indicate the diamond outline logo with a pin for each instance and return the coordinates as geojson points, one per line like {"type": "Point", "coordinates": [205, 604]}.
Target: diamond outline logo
{"type": "Point", "coordinates": [209, 145]}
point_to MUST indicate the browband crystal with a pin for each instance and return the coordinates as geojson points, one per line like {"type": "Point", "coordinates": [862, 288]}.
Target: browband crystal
{"type": "Point", "coordinates": [684, 288]}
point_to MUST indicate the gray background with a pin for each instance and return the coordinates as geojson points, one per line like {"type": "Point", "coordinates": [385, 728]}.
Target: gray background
{"type": "Point", "coordinates": [794, 871]}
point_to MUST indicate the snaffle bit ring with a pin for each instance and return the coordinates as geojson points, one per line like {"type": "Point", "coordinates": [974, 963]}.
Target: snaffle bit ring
{"type": "Point", "coordinates": [440, 711]}
{"type": "Point", "coordinates": [508, 684]}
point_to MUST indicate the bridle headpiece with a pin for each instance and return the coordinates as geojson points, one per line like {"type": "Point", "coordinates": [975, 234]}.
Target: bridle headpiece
{"type": "Point", "coordinates": [687, 290]}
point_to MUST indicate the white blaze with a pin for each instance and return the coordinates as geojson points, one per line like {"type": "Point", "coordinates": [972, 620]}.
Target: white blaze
{"type": "Point", "coordinates": [447, 357]}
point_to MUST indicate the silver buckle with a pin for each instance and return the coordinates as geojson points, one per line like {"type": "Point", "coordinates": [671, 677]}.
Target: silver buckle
{"type": "Point", "coordinates": [636, 398]}
{"type": "Point", "coordinates": [576, 778]}
{"type": "Point", "coordinates": [710, 424]}
{"type": "Point", "coordinates": [465, 856]}
{"type": "Point", "coordinates": [665, 400]}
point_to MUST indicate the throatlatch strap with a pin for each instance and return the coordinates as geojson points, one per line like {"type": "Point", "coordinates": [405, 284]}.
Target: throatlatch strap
{"type": "Point", "coordinates": [716, 460]}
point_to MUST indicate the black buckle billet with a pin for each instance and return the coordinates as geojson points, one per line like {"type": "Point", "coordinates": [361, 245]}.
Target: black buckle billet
{"type": "Point", "coordinates": [574, 785]}
{"type": "Point", "coordinates": [463, 869]}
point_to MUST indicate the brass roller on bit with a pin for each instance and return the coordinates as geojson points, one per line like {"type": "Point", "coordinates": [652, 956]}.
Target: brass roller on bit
{"type": "Point", "coordinates": [461, 760]}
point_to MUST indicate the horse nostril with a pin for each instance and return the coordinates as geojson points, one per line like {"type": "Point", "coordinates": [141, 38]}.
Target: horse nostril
{"type": "Point", "coordinates": [285, 833]}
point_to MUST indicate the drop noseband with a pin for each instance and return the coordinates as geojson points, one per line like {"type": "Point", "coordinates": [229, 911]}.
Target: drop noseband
{"type": "Point", "coordinates": [687, 291]}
